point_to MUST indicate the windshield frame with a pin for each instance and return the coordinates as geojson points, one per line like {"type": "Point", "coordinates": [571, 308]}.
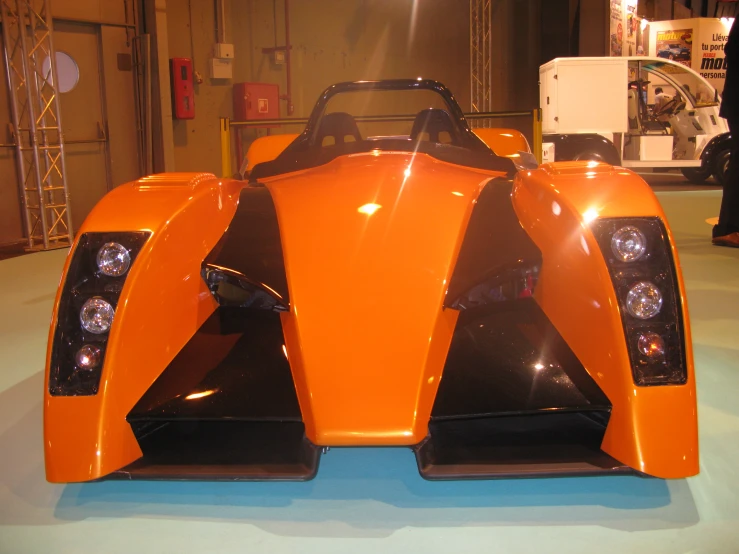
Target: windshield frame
{"type": "Point", "coordinates": [303, 153]}
{"type": "Point", "coordinates": [388, 85]}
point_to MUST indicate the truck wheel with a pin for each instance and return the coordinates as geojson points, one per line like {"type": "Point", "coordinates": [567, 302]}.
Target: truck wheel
{"type": "Point", "coordinates": [721, 165]}
{"type": "Point", "coordinates": [697, 175]}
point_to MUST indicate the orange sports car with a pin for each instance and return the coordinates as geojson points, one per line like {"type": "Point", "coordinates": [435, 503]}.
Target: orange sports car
{"type": "Point", "coordinates": [386, 278]}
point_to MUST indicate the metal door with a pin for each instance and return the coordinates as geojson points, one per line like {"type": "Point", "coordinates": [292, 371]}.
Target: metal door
{"type": "Point", "coordinates": [11, 226]}
{"type": "Point", "coordinates": [88, 175]}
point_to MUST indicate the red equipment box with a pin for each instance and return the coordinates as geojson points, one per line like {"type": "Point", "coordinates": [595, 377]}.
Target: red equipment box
{"type": "Point", "coordinates": [254, 101]}
{"type": "Point", "coordinates": [183, 95]}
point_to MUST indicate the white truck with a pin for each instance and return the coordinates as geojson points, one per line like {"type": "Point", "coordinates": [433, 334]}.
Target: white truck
{"type": "Point", "coordinates": [607, 109]}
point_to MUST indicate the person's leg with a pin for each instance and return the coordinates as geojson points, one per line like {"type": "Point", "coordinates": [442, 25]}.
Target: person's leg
{"type": "Point", "coordinates": [728, 220]}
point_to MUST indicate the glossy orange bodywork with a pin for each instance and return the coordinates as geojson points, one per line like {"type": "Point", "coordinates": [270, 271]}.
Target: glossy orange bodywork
{"type": "Point", "coordinates": [652, 429]}
{"type": "Point", "coordinates": [375, 237]}
{"type": "Point", "coordinates": [370, 242]}
{"type": "Point", "coordinates": [504, 142]}
{"type": "Point", "coordinates": [164, 301]}
{"type": "Point", "coordinates": [265, 149]}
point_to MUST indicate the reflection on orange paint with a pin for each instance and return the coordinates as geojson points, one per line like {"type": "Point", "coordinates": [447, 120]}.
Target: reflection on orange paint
{"type": "Point", "coordinates": [368, 209]}
{"type": "Point", "coordinates": [590, 215]}
{"type": "Point", "coordinates": [196, 395]}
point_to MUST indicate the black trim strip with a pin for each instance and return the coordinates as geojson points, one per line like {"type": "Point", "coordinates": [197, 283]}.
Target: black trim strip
{"type": "Point", "coordinates": [251, 245]}
{"type": "Point", "coordinates": [494, 243]}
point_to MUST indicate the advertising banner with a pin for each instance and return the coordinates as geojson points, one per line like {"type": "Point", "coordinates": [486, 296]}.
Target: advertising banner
{"type": "Point", "coordinates": [698, 43]}
{"type": "Point", "coordinates": [676, 45]}
{"type": "Point", "coordinates": [712, 58]}
{"type": "Point", "coordinates": [627, 38]}
{"type": "Point", "coordinates": [632, 31]}
{"type": "Point", "coordinates": [617, 27]}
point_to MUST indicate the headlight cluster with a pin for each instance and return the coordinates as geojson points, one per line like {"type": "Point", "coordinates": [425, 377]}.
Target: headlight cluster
{"type": "Point", "coordinates": [640, 263]}
{"type": "Point", "coordinates": [86, 311]}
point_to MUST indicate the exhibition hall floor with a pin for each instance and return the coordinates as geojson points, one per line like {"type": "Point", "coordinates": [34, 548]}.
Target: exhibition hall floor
{"type": "Point", "coordinates": [373, 500]}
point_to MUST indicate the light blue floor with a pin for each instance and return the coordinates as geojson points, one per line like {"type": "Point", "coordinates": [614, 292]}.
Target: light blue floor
{"type": "Point", "coordinates": [372, 500]}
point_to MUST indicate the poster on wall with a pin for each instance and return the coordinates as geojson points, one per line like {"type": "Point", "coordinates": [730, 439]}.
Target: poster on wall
{"type": "Point", "coordinates": [617, 27]}
{"type": "Point", "coordinates": [632, 28]}
{"type": "Point", "coordinates": [713, 60]}
{"type": "Point", "coordinates": [676, 45]}
{"type": "Point", "coordinates": [704, 38]}
{"type": "Point", "coordinates": [642, 39]}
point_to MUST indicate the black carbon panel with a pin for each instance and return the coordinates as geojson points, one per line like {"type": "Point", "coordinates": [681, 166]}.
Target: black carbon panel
{"type": "Point", "coordinates": [251, 245]}
{"type": "Point", "coordinates": [494, 240]}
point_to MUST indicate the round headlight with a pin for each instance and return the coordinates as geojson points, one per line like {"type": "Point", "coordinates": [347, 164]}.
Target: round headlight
{"type": "Point", "coordinates": [651, 345]}
{"type": "Point", "coordinates": [113, 259]}
{"type": "Point", "coordinates": [644, 300]}
{"type": "Point", "coordinates": [629, 244]}
{"type": "Point", "coordinates": [96, 315]}
{"type": "Point", "coordinates": [88, 357]}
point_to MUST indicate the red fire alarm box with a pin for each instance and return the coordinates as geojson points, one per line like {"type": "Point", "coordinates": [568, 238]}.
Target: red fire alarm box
{"type": "Point", "coordinates": [183, 95]}
{"type": "Point", "coordinates": [254, 101]}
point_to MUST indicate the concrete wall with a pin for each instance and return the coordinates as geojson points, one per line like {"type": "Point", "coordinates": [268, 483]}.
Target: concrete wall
{"type": "Point", "coordinates": [333, 40]}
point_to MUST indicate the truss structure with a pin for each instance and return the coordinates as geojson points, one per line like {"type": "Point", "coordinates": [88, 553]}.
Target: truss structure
{"type": "Point", "coordinates": [481, 53]}
{"type": "Point", "coordinates": [30, 64]}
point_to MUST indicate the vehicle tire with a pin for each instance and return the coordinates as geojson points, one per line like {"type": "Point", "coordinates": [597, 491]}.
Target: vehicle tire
{"type": "Point", "coordinates": [696, 175]}
{"type": "Point", "coordinates": [589, 156]}
{"type": "Point", "coordinates": [720, 165]}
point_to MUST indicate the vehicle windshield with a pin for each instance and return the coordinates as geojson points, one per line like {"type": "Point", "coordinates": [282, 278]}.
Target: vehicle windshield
{"type": "Point", "coordinates": [670, 77]}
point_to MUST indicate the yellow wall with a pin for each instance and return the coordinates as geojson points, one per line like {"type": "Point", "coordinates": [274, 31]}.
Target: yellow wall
{"type": "Point", "coordinates": [333, 40]}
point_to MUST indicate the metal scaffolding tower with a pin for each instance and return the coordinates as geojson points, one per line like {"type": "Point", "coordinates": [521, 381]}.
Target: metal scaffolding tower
{"type": "Point", "coordinates": [30, 65]}
{"type": "Point", "coordinates": [481, 53]}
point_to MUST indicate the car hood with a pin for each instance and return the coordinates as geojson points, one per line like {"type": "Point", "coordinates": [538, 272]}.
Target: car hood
{"type": "Point", "coordinates": [369, 244]}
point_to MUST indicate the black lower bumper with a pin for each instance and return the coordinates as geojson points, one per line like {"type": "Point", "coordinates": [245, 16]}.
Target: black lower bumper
{"type": "Point", "coordinates": [539, 445]}
{"type": "Point", "coordinates": [563, 444]}
{"type": "Point", "coordinates": [514, 402]}
{"type": "Point", "coordinates": [224, 451]}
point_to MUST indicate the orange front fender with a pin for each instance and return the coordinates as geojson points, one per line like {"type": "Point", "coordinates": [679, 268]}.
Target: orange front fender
{"type": "Point", "coordinates": [164, 301]}
{"type": "Point", "coordinates": [652, 429]}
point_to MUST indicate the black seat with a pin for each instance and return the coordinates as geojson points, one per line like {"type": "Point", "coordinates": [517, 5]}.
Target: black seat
{"type": "Point", "coordinates": [338, 125]}
{"type": "Point", "coordinates": [434, 121]}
